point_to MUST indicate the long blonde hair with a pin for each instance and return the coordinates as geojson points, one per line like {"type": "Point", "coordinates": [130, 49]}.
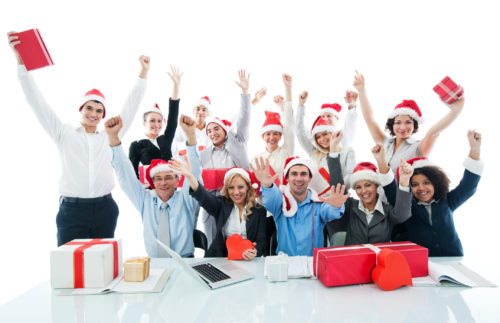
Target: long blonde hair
{"type": "Point", "coordinates": [250, 198]}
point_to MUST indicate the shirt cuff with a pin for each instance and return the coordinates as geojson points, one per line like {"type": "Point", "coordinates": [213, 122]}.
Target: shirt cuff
{"type": "Point", "coordinates": [386, 179]}
{"type": "Point", "coordinates": [21, 69]}
{"type": "Point", "coordinates": [404, 188]}
{"type": "Point", "coordinates": [334, 155]}
{"type": "Point", "coordinates": [474, 166]}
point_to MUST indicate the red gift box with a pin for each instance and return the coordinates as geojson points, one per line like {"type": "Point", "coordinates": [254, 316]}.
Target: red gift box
{"type": "Point", "coordinates": [448, 90]}
{"type": "Point", "coordinates": [347, 265]}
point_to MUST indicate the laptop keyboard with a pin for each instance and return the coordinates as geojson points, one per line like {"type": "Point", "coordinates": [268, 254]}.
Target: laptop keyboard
{"type": "Point", "coordinates": [210, 272]}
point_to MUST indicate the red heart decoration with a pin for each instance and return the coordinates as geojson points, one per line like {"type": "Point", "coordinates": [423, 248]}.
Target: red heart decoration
{"type": "Point", "coordinates": [392, 270]}
{"type": "Point", "coordinates": [236, 245]}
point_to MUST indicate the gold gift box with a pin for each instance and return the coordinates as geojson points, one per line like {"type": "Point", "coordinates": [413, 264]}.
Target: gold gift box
{"type": "Point", "coordinates": [136, 269]}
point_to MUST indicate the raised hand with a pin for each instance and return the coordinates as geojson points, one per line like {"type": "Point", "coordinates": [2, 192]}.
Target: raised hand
{"type": "Point", "coordinates": [457, 105]}
{"type": "Point", "coordinates": [378, 152]}
{"type": "Point", "coordinates": [145, 62]}
{"type": "Point", "coordinates": [259, 95]}
{"type": "Point", "coordinates": [350, 98]}
{"type": "Point", "coordinates": [175, 74]}
{"type": "Point", "coordinates": [13, 42]}
{"type": "Point", "coordinates": [244, 81]}
{"type": "Point", "coordinates": [474, 139]}
{"type": "Point", "coordinates": [359, 81]}
{"type": "Point", "coordinates": [303, 97]}
{"type": "Point", "coordinates": [261, 171]}
{"type": "Point", "coordinates": [279, 101]}
{"type": "Point", "coordinates": [287, 80]}
{"type": "Point", "coordinates": [335, 146]}
{"type": "Point", "coordinates": [337, 197]}
{"type": "Point", "coordinates": [181, 166]}
{"type": "Point", "coordinates": [405, 173]}
{"type": "Point", "coordinates": [188, 125]}
{"type": "Point", "coordinates": [112, 127]}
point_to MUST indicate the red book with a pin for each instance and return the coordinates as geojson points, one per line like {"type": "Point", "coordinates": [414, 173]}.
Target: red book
{"type": "Point", "coordinates": [32, 50]}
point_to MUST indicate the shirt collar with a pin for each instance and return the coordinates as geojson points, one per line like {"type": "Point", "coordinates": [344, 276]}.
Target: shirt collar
{"type": "Point", "coordinates": [425, 203]}
{"type": "Point", "coordinates": [409, 141]}
{"type": "Point", "coordinates": [378, 207]}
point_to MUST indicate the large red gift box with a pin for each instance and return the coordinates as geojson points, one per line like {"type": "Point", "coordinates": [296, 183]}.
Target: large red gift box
{"type": "Point", "coordinates": [347, 265]}
{"type": "Point", "coordinates": [448, 90]}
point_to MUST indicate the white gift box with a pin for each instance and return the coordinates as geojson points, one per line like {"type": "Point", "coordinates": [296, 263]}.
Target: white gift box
{"type": "Point", "coordinates": [97, 263]}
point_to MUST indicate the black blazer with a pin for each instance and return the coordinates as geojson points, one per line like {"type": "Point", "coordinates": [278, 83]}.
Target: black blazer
{"type": "Point", "coordinates": [220, 208]}
{"type": "Point", "coordinates": [144, 151]}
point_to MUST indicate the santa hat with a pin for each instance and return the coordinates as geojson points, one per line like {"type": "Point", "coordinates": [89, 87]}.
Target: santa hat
{"type": "Point", "coordinates": [319, 126]}
{"type": "Point", "coordinates": [407, 108]}
{"type": "Point", "coordinates": [416, 162]}
{"type": "Point", "coordinates": [365, 171]}
{"type": "Point", "coordinates": [156, 166]}
{"type": "Point", "coordinates": [155, 109]}
{"type": "Point", "coordinates": [290, 205]}
{"type": "Point", "coordinates": [272, 123]}
{"type": "Point", "coordinates": [333, 108]}
{"type": "Point", "coordinates": [205, 101]}
{"type": "Point", "coordinates": [224, 124]}
{"type": "Point", "coordinates": [249, 177]}
{"type": "Point", "coordinates": [94, 95]}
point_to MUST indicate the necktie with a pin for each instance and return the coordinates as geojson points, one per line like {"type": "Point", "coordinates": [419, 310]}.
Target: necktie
{"type": "Point", "coordinates": [163, 230]}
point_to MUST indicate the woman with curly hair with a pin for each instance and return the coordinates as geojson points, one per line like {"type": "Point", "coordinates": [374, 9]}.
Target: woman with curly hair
{"type": "Point", "coordinates": [431, 224]}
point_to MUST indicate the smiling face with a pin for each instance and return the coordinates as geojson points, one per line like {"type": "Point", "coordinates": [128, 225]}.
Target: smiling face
{"type": "Point", "coordinates": [422, 188]}
{"type": "Point", "coordinates": [92, 112]}
{"type": "Point", "coordinates": [272, 139]}
{"type": "Point", "coordinates": [298, 178]}
{"type": "Point", "coordinates": [329, 118]}
{"type": "Point", "coordinates": [154, 123]}
{"type": "Point", "coordinates": [403, 126]}
{"type": "Point", "coordinates": [323, 139]}
{"type": "Point", "coordinates": [165, 184]}
{"type": "Point", "coordinates": [367, 193]}
{"type": "Point", "coordinates": [237, 190]}
{"type": "Point", "coordinates": [216, 134]}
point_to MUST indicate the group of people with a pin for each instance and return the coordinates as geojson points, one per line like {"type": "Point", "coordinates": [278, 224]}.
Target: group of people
{"type": "Point", "coordinates": [301, 203]}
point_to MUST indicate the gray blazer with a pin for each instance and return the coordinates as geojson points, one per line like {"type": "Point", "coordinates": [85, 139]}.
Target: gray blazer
{"type": "Point", "coordinates": [354, 222]}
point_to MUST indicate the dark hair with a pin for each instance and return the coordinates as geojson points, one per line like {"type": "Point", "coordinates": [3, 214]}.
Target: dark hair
{"type": "Point", "coordinates": [389, 125]}
{"type": "Point", "coordinates": [437, 177]}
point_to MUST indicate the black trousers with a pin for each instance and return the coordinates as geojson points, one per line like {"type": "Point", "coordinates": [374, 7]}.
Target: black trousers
{"type": "Point", "coordinates": [86, 218]}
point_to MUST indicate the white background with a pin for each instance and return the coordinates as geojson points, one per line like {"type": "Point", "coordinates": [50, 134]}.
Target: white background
{"type": "Point", "coordinates": [403, 47]}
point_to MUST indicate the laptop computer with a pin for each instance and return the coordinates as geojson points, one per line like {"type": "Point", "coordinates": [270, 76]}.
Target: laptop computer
{"type": "Point", "coordinates": [211, 273]}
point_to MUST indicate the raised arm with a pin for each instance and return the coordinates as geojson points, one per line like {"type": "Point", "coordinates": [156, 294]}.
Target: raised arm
{"type": "Point", "coordinates": [243, 121]}
{"type": "Point", "coordinates": [402, 208]}
{"type": "Point", "coordinates": [259, 95]}
{"type": "Point", "coordinates": [173, 113]}
{"type": "Point", "coordinates": [43, 112]}
{"type": "Point", "coordinates": [333, 160]}
{"type": "Point", "coordinates": [425, 146]}
{"type": "Point", "coordinates": [302, 135]}
{"type": "Point", "coordinates": [123, 169]}
{"type": "Point", "coordinates": [376, 131]}
{"type": "Point", "coordinates": [351, 119]}
{"type": "Point", "coordinates": [288, 133]}
{"type": "Point", "coordinates": [387, 177]}
{"type": "Point", "coordinates": [135, 96]}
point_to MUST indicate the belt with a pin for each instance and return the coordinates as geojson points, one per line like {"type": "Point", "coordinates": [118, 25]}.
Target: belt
{"type": "Point", "coordinates": [86, 200]}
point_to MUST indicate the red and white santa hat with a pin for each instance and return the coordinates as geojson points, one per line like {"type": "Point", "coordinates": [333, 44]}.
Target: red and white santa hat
{"type": "Point", "coordinates": [290, 205]}
{"type": "Point", "coordinates": [224, 124]}
{"type": "Point", "coordinates": [157, 166]}
{"type": "Point", "coordinates": [155, 108]}
{"type": "Point", "coordinates": [248, 176]}
{"type": "Point", "coordinates": [320, 125]}
{"type": "Point", "coordinates": [272, 123]}
{"type": "Point", "coordinates": [93, 95]}
{"type": "Point", "coordinates": [333, 108]}
{"type": "Point", "coordinates": [365, 171]}
{"type": "Point", "coordinates": [205, 101]}
{"type": "Point", "coordinates": [407, 108]}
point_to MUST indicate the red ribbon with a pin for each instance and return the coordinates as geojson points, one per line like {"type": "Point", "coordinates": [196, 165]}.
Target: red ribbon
{"type": "Point", "coordinates": [78, 263]}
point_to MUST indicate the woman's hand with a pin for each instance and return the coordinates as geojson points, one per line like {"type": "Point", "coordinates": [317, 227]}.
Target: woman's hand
{"type": "Point", "coordinates": [249, 254]}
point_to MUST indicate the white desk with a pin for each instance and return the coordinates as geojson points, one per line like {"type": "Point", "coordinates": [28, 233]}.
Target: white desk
{"type": "Point", "coordinates": [300, 300]}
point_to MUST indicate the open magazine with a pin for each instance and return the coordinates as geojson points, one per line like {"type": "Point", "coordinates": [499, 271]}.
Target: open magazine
{"type": "Point", "coordinates": [450, 275]}
{"type": "Point", "coordinates": [153, 284]}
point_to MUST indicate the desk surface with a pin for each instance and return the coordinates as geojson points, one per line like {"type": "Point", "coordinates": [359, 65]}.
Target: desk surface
{"type": "Point", "coordinates": [257, 300]}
